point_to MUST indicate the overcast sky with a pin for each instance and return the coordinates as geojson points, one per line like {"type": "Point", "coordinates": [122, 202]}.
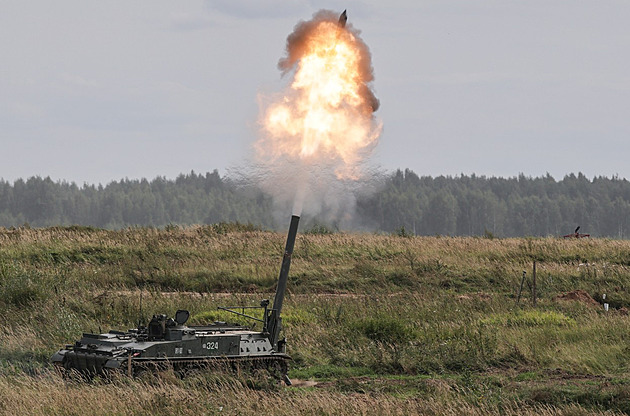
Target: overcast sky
{"type": "Point", "coordinates": [94, 91]}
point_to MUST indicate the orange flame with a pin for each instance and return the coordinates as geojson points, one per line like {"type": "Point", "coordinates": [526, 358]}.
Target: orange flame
{"type": "Point", "coordinates": [325, 117]}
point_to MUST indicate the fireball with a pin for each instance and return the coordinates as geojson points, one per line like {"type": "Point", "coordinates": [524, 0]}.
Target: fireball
{"type": "Point", "coordinates": [325, 116]}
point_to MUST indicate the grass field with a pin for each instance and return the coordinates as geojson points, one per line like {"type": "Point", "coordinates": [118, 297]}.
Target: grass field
{"type": "Point", "coordinates": [376, 324]}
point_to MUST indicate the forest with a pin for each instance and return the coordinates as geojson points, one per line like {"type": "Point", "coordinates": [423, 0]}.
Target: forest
{"type": "Point", "coordinates": [402, 202]}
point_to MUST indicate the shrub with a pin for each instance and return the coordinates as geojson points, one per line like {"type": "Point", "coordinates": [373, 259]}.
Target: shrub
{"type": "Point", "coordinates": [18, 287]}
{"type": "Point", "coordinates": [319, 229]}
{"type": "Point", "coordinates": [384, 329]}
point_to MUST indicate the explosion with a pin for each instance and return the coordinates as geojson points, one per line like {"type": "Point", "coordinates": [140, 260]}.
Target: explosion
{"type": "Point", "coordinates": [317, 134]}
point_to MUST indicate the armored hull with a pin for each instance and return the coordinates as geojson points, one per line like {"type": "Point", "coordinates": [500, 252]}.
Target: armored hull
{"type": "Point", "coordinates": [180, 347]}
{"type": "Point", "coordinates": [168, 343]}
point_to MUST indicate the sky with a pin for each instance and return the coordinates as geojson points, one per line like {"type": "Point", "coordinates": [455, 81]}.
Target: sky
{"type": "Point", "coordinates": [95, 91]}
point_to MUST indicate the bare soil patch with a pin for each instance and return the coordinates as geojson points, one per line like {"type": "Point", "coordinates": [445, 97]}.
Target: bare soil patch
{"type": "Point", "coordinates": [578, 295]}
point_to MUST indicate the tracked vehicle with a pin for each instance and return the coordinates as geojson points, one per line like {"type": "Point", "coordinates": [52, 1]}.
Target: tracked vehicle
{"type": "Point", "coordinates": [168, 343]}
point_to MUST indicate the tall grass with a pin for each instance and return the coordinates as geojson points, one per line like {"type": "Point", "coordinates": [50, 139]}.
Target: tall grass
{"type": "Point", "coordinates": [48, 394]}
{"type": "Point", "coordinates": [386, 324]}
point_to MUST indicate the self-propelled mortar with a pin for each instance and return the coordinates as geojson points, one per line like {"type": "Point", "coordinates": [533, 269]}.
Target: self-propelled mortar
{"type": "Point", "coordinates": [168, 343]}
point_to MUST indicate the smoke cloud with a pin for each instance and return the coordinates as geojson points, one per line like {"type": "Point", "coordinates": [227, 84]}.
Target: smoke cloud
{"type": "Point", "coordinates": [316, 136]}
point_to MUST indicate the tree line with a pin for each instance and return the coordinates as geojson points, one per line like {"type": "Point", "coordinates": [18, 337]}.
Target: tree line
{"type": "Point", "coordinates": [403, 203]}
{"type": "Point", "coordinates": [502, 207]}
{"type": "Point", "coordinates": [188, 199]}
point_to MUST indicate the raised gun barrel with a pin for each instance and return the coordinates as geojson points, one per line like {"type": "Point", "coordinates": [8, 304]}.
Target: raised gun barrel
{"type": "Point", "coordinates": [274, 322]}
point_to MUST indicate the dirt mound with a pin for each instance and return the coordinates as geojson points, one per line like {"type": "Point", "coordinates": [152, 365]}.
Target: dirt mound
{"type": "Point", "coordinates": [578, 296]}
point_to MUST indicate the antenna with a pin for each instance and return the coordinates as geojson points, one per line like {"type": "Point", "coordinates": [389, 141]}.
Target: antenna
{"type": "Point", "coordinates": [140, 316]}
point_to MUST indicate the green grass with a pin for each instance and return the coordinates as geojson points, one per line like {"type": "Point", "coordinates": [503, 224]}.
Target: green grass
{"type": "Point", "coordinates": [414, 323]}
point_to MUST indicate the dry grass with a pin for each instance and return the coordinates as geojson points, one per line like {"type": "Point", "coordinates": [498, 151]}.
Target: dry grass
{"type": "Point", "coordinates": [437, 312]}
{"type": "Point", "coordinates": [48, 394]}
{"type": "Point", "coordinates": [202, 259]}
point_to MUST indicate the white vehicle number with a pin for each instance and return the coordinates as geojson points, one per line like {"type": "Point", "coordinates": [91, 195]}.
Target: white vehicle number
{"type": "Point", "coordinates": [212, 345]}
